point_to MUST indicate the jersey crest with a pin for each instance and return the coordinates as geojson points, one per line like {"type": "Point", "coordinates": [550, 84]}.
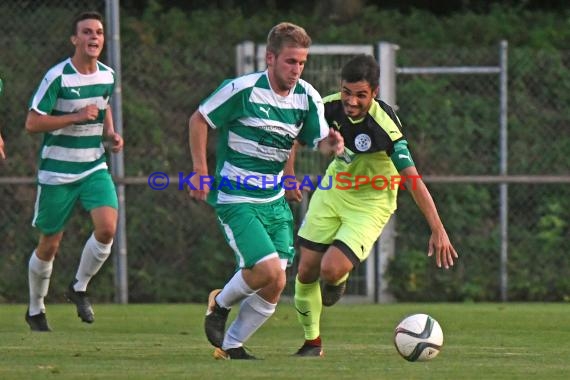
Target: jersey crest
{"type": "Point", "coordinates": [362, 142]}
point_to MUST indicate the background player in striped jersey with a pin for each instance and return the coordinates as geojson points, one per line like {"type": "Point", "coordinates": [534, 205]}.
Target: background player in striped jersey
{"type": "Point", "coordinates": [258, 116]}
{"type": "Point", "coordinates": [342, 223]}
{"type": "Point", "coordinates": [71, 109]}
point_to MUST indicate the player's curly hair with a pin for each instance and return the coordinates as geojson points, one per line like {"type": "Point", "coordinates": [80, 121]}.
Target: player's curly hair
{"type": "Point", "coordinates": [361, 67]}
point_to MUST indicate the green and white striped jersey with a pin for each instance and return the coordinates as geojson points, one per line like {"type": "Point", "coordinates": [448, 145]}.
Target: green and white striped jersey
{"type": "Point", "coordinates": [257, 129]}
{"type": "Point", "coordinates": [73, 152]}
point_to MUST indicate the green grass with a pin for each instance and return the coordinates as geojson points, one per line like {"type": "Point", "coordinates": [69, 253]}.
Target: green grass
{"type": "Point", "coordinates": [166, 341]}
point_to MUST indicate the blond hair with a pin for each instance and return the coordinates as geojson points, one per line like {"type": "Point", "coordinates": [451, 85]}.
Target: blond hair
{"type": "Point", "coordinates": [287, 34]}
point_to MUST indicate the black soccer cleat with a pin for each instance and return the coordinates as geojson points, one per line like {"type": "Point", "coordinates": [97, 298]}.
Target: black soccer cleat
{"type": "Point", "coordinates": [238, 353]}
{"type": "Point", "coordinates": [309, 350]}
{"type": "Point", "coordinates": [215, 321]}
{"type": "Point", "coordinates": [81, 301]}
{"type": "Point", "coordinates": [330, 294]}
{"type": "Point", "coordinates": [37, 322]}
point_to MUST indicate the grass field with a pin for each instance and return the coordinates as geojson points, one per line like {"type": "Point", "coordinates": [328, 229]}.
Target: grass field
{"type": "Point", "coordinates": [166, 341]}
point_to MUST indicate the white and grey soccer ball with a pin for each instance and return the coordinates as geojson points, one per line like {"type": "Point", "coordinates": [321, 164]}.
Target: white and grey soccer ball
{"type": "Point", "coordinates": [418, 337]}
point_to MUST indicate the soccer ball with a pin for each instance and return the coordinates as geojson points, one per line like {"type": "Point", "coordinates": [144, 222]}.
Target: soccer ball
{"type": "Point", "coordinates": [418, 337]}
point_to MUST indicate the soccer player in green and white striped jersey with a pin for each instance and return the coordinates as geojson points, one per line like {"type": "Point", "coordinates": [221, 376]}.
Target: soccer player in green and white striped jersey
{"type": "Point", "coordinates": [258, 117]}
{"type": "Point", "coordinates": [71, 108]}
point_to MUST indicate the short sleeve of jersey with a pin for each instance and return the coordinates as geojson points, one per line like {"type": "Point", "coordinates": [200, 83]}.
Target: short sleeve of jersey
{"type": "Point", "coordinates": [315, 127]}
{"type": "Point", "coordinates": [223, 105]}
{"type": "Point", "coordinates": [401, 157]}
{"type": "Point", "coordinates": [44, 99]}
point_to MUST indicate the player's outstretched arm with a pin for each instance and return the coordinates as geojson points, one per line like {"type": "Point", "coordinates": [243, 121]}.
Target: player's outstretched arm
{"type": "Point", "coordinates": [439, 243]}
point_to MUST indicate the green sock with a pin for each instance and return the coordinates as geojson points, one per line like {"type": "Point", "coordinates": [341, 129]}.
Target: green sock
{"type": "Point", "coordinates": [309, 306]}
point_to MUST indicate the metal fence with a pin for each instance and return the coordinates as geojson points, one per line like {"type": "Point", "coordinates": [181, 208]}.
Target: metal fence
{"type": "Point", "coordinates": [369, 281]}
{"type": "Point", "coordinates": [172, 242]}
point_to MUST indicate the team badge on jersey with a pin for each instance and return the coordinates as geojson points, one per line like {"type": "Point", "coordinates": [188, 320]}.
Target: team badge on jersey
{"type": "Point", "coordinates": [362, 142]}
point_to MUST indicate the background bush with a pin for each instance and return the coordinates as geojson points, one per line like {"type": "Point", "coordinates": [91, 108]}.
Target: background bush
{"type": "Point", "coordinates": [173, 57]}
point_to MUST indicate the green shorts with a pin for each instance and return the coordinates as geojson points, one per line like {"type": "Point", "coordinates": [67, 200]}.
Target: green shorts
{"type": "Point", "coordinates": [255, 230]}
{"type": "Point", "coordinates": [353, 227]}
{"type": "Point", "coordinates": [55, 203]}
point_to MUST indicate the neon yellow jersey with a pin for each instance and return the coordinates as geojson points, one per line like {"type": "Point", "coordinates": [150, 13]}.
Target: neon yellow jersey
{"type": "Point", "coordinates": [366, 173]}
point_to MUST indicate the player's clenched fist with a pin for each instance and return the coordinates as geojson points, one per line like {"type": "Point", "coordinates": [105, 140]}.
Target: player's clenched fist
{"type": "Point", "coordinates": [89, 112]}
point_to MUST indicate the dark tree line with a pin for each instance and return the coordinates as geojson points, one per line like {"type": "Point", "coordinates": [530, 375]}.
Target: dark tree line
{"type": "Point", "coordinates": [439, 7]}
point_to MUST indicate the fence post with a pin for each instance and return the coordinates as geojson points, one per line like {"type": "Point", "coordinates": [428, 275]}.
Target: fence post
{"type": "Point", "coordinates": [385, 246]}
{"type": "Point", "coordinates": [503, 154]}
{"type": "Point", "coordinates": [245, 58]}
{"type": "Point", "coordinates": [117, 159]}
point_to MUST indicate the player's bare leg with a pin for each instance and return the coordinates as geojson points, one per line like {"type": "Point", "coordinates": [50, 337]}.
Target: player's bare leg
{"type": "Point", "coordinates": [335, 268]}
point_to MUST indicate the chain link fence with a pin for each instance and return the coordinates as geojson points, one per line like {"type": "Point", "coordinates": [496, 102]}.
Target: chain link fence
{"type": "Point", "coordinates": [176, 252]}
{"type": "Point", "coordinates": [455, 137]}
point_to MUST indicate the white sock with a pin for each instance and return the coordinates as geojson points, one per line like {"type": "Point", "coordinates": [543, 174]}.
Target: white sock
{"type": "Point", "coordinates": [235, 290]}
{"type": "Point", "coordinates": [92, 259]}
{"type": "Point", "coordinates": [253, 313]}
{"type": "Point", "coordinates": [39, 273]}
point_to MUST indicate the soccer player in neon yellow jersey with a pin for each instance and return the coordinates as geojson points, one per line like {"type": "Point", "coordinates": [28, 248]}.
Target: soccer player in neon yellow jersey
{"type": "Point", "coordinates": [70, 108]}
{"type": "Point", "coordinates": [258, 116]}
{"type": "Point", "coordinates": [346, 216]}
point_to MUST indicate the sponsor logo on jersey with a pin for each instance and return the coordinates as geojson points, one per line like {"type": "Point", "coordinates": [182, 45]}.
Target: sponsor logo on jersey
{"type": "Point", "coordinates": [264, 110]}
